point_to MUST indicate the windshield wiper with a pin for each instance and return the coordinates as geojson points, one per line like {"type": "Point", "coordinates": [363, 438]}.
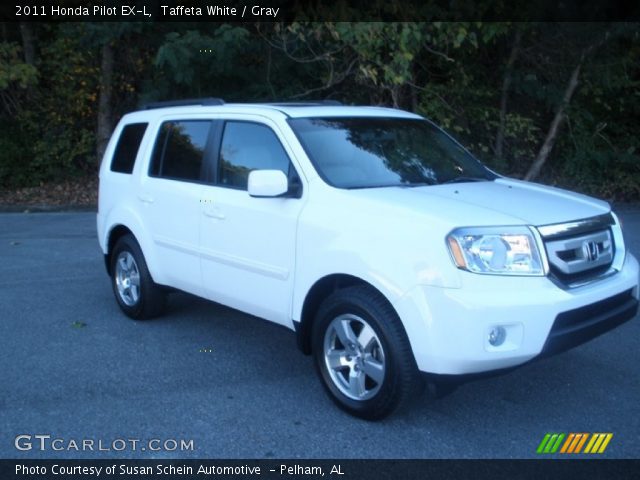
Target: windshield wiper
{"type": "Point", "coordinates": [378, 185]}
{"type": "Point", "coordinates": [463, 179]}
{"type": "Point", "coordinates": [387, 185]}
{"type": "Point", "coordinates": [415, 184]}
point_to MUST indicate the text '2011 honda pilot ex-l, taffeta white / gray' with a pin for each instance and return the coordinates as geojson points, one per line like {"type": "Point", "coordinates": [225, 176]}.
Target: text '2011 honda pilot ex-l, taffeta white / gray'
{"type": "Point", "coordinates": [394, 255]}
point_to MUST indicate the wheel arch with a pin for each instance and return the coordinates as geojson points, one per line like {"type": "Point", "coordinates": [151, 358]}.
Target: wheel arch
{"type": "Point", "coordinates": [123, 221]}
{"type": "Point", "coordinates": [116, 233]}
{"type": "Point", "coordinates": [320, 290]}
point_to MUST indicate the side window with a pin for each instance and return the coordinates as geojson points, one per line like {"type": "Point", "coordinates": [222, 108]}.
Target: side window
{"type": "Point", "coordinates": [124, 156]}
{"type": "Point", "coordinates": [180, 149]}
{"type": "Point", "coordinates": [249, 146]}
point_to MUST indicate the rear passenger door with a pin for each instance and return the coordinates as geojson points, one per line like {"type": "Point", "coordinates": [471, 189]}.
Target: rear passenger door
{"type": "Point", "coordinates": [248, 244]}
{"type": "Point", "coordinates": [170, 197]}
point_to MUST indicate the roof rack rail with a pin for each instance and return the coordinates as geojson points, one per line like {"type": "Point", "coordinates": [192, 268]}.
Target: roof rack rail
{"type": "Point", "coordinates": [306, 103]}
{"type": "Point", "coordinates": [188, 101]}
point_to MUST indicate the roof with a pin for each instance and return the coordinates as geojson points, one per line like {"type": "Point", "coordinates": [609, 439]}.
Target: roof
{"type": "Point", "coordinates": [292, 109]}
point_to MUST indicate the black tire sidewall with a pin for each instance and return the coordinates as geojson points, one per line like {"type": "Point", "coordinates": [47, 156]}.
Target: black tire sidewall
{"type": "Point", "coordinates": [383, 402]}
{"type": "Point", "coordinates": [129, 244]}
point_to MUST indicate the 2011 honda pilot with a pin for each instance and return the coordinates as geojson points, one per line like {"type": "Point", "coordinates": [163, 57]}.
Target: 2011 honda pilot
{"type": "Point", "coordinates": [370, 232]}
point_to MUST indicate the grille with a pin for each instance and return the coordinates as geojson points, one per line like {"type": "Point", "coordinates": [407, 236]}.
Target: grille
{"type": "Point", "coordinates": [580, 251]}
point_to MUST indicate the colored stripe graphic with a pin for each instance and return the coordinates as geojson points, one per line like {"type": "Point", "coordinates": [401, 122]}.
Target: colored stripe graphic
{"type": "Point", "coordinates": [543, 443]}
{"type": "Point", "coordinates": [550, 443]}
{"type": "Point", "coordinates": [574, 442]}
{"type": "Point", "coordinates": [582, 440]}
{"type": "Point", "coordinates": [567, 444]}
{"type": "Point", "coordinates": [598, 443]}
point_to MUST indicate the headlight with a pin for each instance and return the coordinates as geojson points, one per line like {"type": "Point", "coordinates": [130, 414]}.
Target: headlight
{"type": "Point", "coordinates": [496, 250]}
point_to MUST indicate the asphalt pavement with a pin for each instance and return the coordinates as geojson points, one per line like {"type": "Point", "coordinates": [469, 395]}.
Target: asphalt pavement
{"type": "Point", "coordinates": [73, 367]}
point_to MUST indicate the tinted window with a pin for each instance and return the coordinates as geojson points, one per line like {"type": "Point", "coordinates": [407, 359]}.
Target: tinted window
{"type": "Point", "coordinates": [249, 146]}
{"type": "Point", "coordinates": [126, 151]}
{"type": "Point", "coordinates": [180, 149]}
{"type": "Point", "coordinates": [380, 152]}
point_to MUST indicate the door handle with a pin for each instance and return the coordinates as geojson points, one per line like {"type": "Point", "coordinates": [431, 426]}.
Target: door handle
{"type": "Point", "coordinates": [145, 198]}
{"type": "Point", "coordinates": [214, 213]}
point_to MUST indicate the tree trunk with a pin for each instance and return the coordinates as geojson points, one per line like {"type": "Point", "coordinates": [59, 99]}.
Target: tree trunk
{"type": "Point", "coordinates": [506, 84]}
{"type": "Point", "coordinates": [550, 140]}
{"type": "Point", "coordinates": [28, 43]}
{"type": "Point", "coordinates": [104, 101]}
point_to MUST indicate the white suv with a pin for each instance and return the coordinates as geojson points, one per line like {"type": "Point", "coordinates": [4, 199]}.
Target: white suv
{"type": "Point", "coordinates": [384, 244]}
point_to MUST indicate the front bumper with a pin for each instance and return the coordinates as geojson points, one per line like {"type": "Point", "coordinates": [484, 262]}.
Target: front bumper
{"type": "Point", "coordinates": [580, 325]}
{"type": "Point", "coordinates": [449, 328]}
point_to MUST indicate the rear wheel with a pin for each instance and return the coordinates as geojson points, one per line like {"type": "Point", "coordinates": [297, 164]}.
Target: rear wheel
{"type": "Point", "coordinates": [137, 294]}
{"type": "Point", "coordinates": [362, 353]}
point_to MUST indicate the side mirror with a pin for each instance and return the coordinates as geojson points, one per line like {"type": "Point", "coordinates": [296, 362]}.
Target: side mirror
{"type": "Point", "coordinates": [267, 183]}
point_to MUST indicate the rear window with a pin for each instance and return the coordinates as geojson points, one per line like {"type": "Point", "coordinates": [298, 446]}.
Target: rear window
{"type": "Point", "coordinates": [180, 149]}
{"type": "Point", "coordinates": [127, 148]}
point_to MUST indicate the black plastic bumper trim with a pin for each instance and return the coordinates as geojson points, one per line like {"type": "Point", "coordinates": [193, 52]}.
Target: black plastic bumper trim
{"type": "Point", "coordinates": [575, 327]}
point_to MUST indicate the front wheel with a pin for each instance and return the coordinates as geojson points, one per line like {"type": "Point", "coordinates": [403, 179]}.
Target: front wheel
{"type": "Point", "coordinates": [362, 353]}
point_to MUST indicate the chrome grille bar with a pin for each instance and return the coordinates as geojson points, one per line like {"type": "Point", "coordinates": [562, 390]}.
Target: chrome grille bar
{"type": "Point", "coordinates": [581, 251]}
{"type": "Point", "coordinates": [559, 230]}
{"type": "Point", "coordinates": [579, 254]}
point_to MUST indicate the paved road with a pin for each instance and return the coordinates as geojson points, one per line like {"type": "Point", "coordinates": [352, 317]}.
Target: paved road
{"type": "Point", "coordinates": [72, 366]}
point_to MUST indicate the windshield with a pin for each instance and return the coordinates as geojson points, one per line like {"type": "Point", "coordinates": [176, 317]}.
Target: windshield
{"type": "Point", "coordinates": [382, 152]}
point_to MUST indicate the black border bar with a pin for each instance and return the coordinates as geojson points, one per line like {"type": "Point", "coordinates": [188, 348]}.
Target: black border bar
{"type": "Point", "coordinates": [317, 10]}
{"type": "Point", "coordinates": [542, 469]}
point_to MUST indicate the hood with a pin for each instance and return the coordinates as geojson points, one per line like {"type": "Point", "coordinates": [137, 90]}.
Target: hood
{"type": "Point", "coordinates": [500, 202]}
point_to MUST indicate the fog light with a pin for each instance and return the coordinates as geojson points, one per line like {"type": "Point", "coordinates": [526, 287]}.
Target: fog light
{"type": "Point", "coordinates": [497, 336]}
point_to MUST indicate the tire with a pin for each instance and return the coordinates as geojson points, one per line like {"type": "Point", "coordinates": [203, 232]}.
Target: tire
{"type": "Point", "coordinates": [137, 294]}
{"type": "Point", "coordinates": [362, 353]}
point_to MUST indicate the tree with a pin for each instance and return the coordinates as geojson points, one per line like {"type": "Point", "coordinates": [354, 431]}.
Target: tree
{"type": "Point", "coordinates": [548, 101]}
{"type": "Point", "coordinates": [506, 84]}
{"type": "Point", "coordinates": [559, 116]}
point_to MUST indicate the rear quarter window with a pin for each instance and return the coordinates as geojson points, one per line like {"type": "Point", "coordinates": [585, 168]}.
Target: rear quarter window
{"type": "Point", "coordinates": [124, 156]}
{"type": "Point", "coordinates": [180, 150]}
